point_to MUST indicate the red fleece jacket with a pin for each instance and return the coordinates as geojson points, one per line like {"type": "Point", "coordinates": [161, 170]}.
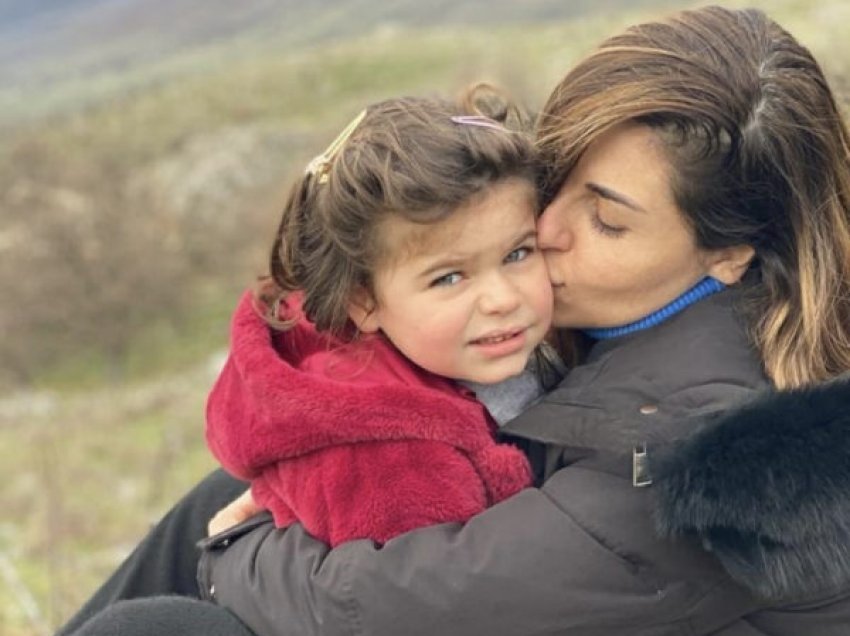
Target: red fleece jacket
{"type": "Point", "coordinates": [351, 439]}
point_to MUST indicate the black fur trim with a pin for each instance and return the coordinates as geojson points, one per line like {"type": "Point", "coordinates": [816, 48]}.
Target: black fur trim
{"type": "Point", "coordinates": [767, 489]}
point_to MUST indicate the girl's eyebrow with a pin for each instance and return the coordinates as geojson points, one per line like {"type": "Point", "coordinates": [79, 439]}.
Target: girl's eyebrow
{"type": "Point", "coordinates": [529, 234]}
{"type": "Point", "coordinates": [525, 236]}
{"type": "Point", "coordinates": [451, 261]}
{"type": "Point", "coordinates": [613, 195]}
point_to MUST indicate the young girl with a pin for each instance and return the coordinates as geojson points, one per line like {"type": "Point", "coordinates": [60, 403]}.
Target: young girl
{"type": "Point", "coordinates": [405, 280]}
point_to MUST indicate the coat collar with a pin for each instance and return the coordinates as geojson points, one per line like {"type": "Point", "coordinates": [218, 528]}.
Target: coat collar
{"type": "Point", "coordinates": [766, 487]}
{"type": "Point", "coordinates": [648, 386]}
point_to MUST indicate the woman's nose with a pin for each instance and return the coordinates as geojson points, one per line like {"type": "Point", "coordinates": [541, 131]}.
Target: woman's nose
{"type": "Point", "coordinates": [552, 232]}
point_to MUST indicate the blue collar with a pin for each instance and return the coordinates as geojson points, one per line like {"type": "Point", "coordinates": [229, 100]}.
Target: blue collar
{"type": "Point", "coordinates": [706, 287]}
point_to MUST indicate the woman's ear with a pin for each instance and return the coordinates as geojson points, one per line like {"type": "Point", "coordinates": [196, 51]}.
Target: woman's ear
{"type": "Point", "coordinates": [363, 311]}
{"type": "Point", "coordinates": [729, 264]}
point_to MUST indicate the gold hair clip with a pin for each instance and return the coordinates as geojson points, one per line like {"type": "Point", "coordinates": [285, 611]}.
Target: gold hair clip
{"type": "Point", "coordinates": [321, 164]}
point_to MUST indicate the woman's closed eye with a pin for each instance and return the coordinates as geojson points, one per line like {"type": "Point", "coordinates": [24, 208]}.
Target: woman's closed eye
{"type": "Point", "coordinates": [604, 228]}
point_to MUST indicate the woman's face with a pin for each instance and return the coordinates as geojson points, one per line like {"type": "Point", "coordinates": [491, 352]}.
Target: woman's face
{"type": "Point", "coordinates": [616, 246]}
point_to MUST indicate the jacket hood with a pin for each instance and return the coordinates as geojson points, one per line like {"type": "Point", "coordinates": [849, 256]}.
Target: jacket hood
{"type": "Point", "coordinates": [766, 488]}
{"type": "Point", "coordinates": [283, 394]}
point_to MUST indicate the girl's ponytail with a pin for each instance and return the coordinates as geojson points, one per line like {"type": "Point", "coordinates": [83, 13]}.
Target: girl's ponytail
{"type": "Point", "coordinates": [488, 100]}
{"type": "Point", "coordinates": [286, 261]}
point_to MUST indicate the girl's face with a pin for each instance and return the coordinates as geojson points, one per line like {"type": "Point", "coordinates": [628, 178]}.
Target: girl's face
{"type": "Point", "coordinates": [466, 297]}
{"type": "Point", "coordinates": [616, 246]}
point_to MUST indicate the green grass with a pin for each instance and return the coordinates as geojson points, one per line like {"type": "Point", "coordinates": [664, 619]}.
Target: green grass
{"type": "Point", "coordinates": [164, 347]}
{"type": "Point", "coordinates": [87, 478]}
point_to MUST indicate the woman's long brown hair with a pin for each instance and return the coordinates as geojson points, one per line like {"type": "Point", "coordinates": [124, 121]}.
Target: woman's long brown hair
{"type": "Point", "coordinates": [759, 155]}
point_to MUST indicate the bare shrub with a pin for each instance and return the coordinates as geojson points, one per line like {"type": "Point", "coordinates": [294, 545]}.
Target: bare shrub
{"type": "Point", "coordinates": [84, 266]}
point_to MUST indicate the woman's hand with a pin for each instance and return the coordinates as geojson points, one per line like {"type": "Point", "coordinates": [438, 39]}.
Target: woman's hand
{"type": "Point", "coordinates": [233, 513]}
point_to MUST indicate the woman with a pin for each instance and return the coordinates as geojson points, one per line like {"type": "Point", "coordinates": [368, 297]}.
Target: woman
{"type": "Point", "coordinates": [684, 157]}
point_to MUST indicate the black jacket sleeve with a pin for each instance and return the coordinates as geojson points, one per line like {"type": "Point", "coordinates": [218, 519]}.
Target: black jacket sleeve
{"type": "Point", "coordinates": [533, 564]}
{"type": "Point", "coordinates": [747, 515]}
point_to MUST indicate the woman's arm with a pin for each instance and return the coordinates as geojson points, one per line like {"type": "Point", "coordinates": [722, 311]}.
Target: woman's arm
{"type": "Point", "coordinates": [532, 564]}
{"type": "Point", "coordinates": [765, 487]}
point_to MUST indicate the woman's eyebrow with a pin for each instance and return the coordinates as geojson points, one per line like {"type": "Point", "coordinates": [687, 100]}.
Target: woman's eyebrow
{"type": "Point", "coordinates": [613, 195]}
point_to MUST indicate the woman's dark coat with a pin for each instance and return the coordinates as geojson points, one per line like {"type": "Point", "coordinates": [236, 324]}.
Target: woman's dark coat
{"type": "Point", "coordinates": [744, 529]}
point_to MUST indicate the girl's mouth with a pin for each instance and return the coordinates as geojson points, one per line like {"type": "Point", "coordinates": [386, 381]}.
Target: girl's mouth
{"type": "Point", "coordinates": [497, 338]}
{"type": "Point", "coordinates": [501, 344]}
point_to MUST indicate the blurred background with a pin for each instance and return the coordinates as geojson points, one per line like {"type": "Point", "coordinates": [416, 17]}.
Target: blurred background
{"type": "Point", "coordinates": [145, 147]}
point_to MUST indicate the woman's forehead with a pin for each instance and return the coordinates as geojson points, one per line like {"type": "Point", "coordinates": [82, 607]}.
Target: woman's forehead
{"type": "Point", "coordinates": [630, 165]}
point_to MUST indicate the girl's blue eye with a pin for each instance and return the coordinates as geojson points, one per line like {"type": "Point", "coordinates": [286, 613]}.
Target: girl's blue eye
{"type": "Point", "coordinates": [519, 254]}
{"type": "Point", "coordinates": [447, 280]}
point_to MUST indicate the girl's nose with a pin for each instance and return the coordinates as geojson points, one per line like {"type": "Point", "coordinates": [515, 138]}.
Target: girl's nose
{"type": "Point", "coordinates": [499, 296]}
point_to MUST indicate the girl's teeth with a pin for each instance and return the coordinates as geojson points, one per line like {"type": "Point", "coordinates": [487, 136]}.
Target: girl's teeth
{"type": "Point", "coordinates": [495, 339]}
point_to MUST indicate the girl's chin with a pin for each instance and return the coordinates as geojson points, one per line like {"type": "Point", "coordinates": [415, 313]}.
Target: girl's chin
{"type": "Point", "coordinates": [500, 376]}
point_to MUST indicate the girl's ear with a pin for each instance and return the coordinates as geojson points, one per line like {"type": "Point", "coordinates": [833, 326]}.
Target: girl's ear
{"type": "Point", "coordinates": [363, 311]}
{"type": "Point", "coordinates": [729, 264]}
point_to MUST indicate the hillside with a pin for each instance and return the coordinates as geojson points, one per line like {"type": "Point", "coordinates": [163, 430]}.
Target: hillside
{"type": "Point", "coordinates": [57, 55]}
